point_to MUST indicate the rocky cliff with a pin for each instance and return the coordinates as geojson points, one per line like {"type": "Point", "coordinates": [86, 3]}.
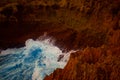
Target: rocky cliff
{"type": "Point", "coordinates": [92, 27]}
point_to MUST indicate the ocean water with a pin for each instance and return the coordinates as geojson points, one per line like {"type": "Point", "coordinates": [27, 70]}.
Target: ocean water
{"type": "Point", "coordinates": [34, 61]}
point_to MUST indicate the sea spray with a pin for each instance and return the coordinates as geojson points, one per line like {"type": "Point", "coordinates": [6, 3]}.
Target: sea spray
{"type": "Point", "coordinates": [33, 62]}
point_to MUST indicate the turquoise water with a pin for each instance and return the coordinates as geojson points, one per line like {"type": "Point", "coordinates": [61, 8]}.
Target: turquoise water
{"type": "Point", "coordinates": [34, 61]}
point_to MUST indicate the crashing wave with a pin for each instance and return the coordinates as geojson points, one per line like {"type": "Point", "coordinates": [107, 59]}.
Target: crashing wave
{"type": "Point", "coordinates": [33, 62]}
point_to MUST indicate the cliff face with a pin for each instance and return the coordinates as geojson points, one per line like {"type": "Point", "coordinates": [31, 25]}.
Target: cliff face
{"type": "Point", "coordinates": [91, 26]}
{"type": "Point", "coordinates": [88, 19]}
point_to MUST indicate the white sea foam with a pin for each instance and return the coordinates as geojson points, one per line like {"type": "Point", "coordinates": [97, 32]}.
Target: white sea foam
{"type": "Point", "coordinates": [34, 61]}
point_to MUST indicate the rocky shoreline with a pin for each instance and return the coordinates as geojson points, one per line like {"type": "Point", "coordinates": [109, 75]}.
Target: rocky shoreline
{"type": "Point", "coordinates": [91, 26]}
